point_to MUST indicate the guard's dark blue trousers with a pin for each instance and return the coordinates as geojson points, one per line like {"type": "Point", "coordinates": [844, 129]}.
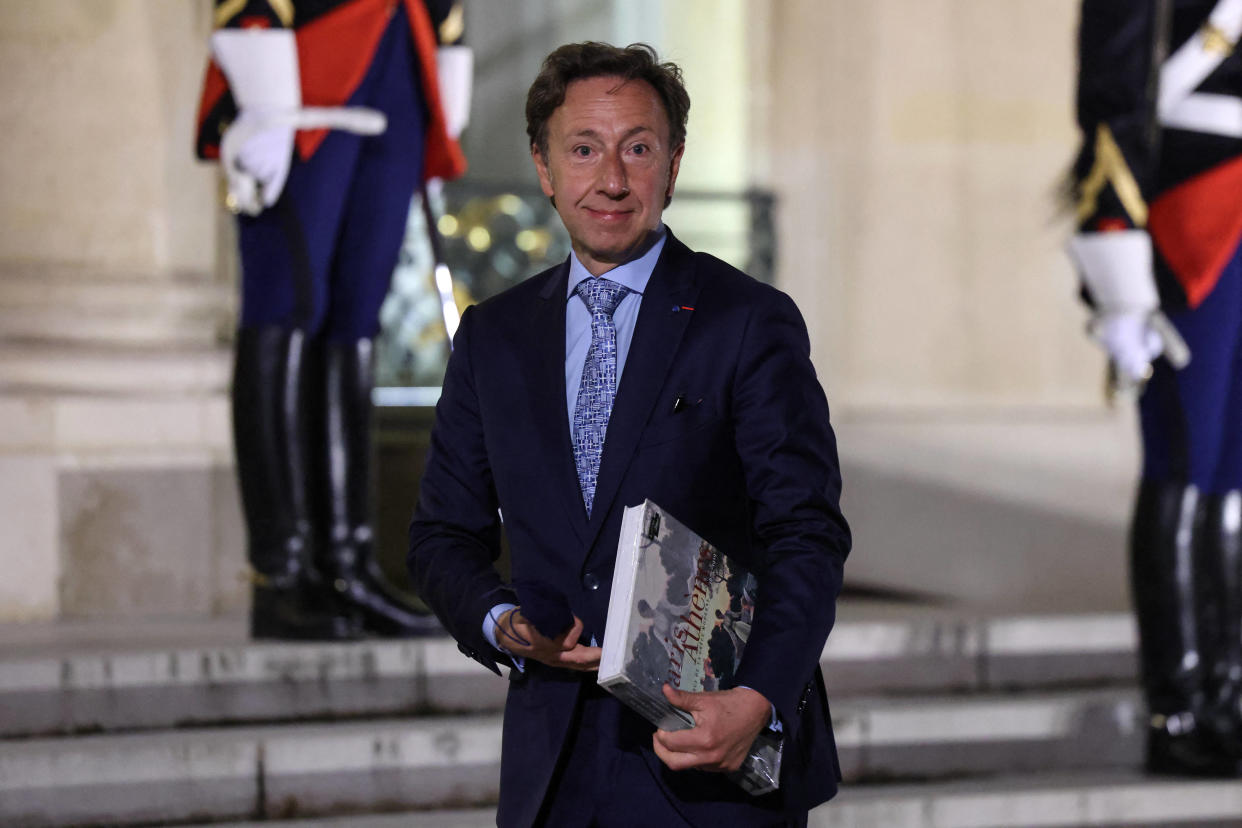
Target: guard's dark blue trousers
{"type": "Point", "coordinates": [321, 259]}
{"type": "Point", "coordinates": [1192, 418]}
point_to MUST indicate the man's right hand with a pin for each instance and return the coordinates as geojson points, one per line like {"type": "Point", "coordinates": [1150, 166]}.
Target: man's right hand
{"type": "Point", "coordinates": [520, 638]}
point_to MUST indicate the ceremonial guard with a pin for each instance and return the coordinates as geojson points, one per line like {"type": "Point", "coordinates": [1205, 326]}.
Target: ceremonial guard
{"type": "Point", "coordinates": [1158, 185]}
{"type": "Point", "coordinates": [328, 116]}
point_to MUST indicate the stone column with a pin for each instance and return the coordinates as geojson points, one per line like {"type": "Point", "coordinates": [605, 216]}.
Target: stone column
{"type": "Point", "coordinates": [116, 494]}
{"type": "Point", "coordinates": [916, 148]}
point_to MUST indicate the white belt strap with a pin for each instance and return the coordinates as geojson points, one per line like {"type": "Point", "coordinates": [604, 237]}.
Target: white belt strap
{"type": "Point", "coordinates": [1217, 114]}
{"type": "Point", "coordinates": [1177, 105]}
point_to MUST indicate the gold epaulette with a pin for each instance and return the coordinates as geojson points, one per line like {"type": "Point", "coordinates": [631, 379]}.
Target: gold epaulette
{"type": "Point", "coordinates": [454, 25]}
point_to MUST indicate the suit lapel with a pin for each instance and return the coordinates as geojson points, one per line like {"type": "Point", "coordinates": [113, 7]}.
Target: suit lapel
{"type": "Point", "coordinates": [657, 335]}
{"type": "Point", "coordinates": [548, 397]}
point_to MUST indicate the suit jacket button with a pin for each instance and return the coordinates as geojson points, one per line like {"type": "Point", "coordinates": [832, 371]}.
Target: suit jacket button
{"type": "Point", "coordinates": [590, 581]}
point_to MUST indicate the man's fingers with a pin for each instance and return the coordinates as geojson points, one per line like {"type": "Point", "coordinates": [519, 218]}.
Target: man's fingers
{"type": "Point", "coordinates": [581, 657]}
{"type": "Point", "coordinates": [726, 724]}
{"type": "Point", "coordinates": [569, 639]}
{"type": "Point", "coordinates": [521, 638]}
{"type": "Point", "coordinates": [674, 760]}
{"type": "Point", "coordinates": [692, 746]}
{"type": "Point", "coordinates": [684, 749]}
{"type": "Point", "coordinates": [515, 631]}
{"type": "Point", "coordinates": [689, 741]}
{"type": "Point", "coordinates": [681, 699]}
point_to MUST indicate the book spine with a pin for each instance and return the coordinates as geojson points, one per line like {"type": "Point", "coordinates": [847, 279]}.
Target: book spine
{"type": "Point", "coordinates": [652, 707]}
{"type": "Point", "coordinates": [621, 598]}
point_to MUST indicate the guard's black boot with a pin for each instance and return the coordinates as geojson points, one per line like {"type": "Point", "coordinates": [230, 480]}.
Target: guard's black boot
{"type": "Point", "coordinates": [290, 600]}
{"type": "Point", "coordinates": [1167, 519]}
{"type": "Point", "coordinates": [1219, 570]}
{"type": "Point", "coordinates": [347, 559]}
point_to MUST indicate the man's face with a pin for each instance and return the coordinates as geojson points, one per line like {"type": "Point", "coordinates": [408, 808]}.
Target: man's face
{"type": "Point", "coordinates": [609, 167]}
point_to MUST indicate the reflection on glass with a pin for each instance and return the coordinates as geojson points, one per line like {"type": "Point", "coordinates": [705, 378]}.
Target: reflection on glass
{"type": "Point", "coordinates": [494, 237]}
{"type": "Point", "coordinates": [492, 240]}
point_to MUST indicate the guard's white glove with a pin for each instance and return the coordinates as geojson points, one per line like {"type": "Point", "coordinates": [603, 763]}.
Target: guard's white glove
{"type": "Point", "coordinates": [256, 150]}
{"type": "Point", "coordinates": [257, 168]}
{"type": "Point", "coordinates": [1131, 342]}
{"type": "Point", "coordinates": [1117, 270]}
{"type": "Point", "coordinates": [455, 70]}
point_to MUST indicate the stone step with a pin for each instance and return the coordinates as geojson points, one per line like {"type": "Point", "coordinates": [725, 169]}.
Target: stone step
{"type": "Point", "coordinates": [455, 818]}
{"type": "Point", "coordinates": [436, 762]}
{"type": "Point", "coordinates": [1097, 799]}
{"type": "Point", "coordinates": [216, 676]}
{"type": "Point", "coordinates": [245, 682]}
{"type": "Point", "coordinates": [276, 771]}
{"type": "Point", "coordinates": [885, 739]}
{"type": "Point", "coordinates": [33, 367]}
{"type": "Point", "coordinates": [916, 650]}
{"type": "Point", "coordinates": [1123, 799]}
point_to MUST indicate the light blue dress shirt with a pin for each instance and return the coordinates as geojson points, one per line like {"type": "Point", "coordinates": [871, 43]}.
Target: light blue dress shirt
{"type": "Point", "coordinates": [634, 275]}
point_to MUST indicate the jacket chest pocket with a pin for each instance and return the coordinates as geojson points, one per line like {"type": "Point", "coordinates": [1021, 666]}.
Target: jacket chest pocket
{"type": "Point", "coordinates": [688, 417]}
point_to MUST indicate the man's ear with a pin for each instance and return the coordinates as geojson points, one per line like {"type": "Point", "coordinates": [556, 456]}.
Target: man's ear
{"type": "Point", "coordinates": [541, 168]}
{"type": "Point", "coordinates": [674, 165]}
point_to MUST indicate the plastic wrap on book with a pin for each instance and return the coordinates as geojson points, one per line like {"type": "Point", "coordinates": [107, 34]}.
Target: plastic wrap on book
{"type": "Point", "coordinates": [679, 613]}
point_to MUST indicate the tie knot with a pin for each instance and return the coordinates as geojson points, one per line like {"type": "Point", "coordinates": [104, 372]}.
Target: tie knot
{"type": "Point", "coordinates": [601, 295]}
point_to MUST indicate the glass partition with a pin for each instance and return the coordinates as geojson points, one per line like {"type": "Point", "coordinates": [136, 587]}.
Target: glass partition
{"type": "Point", "coordinates": [494, 236]}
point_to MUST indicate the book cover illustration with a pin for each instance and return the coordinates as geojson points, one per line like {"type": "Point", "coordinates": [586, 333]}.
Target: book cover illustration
{"type": "Point", "coordinates": [680, 612]}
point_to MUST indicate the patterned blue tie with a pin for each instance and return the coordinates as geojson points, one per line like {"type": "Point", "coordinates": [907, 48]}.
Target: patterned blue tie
{"type": "Point", "coordinates": [599, 382]}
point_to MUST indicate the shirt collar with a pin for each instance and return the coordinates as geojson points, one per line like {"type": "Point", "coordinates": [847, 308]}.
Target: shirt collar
{"type": "Point", "coordinates": [634, 274]}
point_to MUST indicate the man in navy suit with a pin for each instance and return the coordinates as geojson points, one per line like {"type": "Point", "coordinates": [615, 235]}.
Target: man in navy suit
{"type": "Point", "coordinates": [636, 369]}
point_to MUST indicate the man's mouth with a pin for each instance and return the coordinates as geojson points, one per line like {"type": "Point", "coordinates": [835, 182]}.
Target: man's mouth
{"type": "Point", "coordinates": [608, 215]}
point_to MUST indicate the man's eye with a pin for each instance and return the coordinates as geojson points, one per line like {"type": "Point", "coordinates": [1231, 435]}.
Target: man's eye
{"type": "Point", "coordinates": [640, 149]}
{"type": "Point", "coordinates": [581, 152]}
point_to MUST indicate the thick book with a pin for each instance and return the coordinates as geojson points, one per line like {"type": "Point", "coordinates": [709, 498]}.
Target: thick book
{"type": "Point", "coordinates": [680, 612]}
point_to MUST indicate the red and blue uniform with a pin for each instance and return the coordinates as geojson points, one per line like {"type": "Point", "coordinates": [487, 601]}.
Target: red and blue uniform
{"type": "Point", "coordinates": [316, 266]}
{"type": "Point", "coordinates": [322, 257]}
{"type": "Point", "coordinates": [1183, 185]}
{"type": "Point", "coordinates": [1160, 107]}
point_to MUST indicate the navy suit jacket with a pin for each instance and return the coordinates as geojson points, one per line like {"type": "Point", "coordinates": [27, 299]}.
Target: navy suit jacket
{"type": "Point", "coordinates": [748, 460]}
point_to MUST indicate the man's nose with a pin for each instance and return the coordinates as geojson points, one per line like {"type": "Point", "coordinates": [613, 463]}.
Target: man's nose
{"type": "Point", "coordinates": [613, 180]}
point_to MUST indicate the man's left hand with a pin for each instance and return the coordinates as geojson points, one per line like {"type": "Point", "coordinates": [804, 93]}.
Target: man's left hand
{"type": "Point", "coordinates": [726, 724]}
